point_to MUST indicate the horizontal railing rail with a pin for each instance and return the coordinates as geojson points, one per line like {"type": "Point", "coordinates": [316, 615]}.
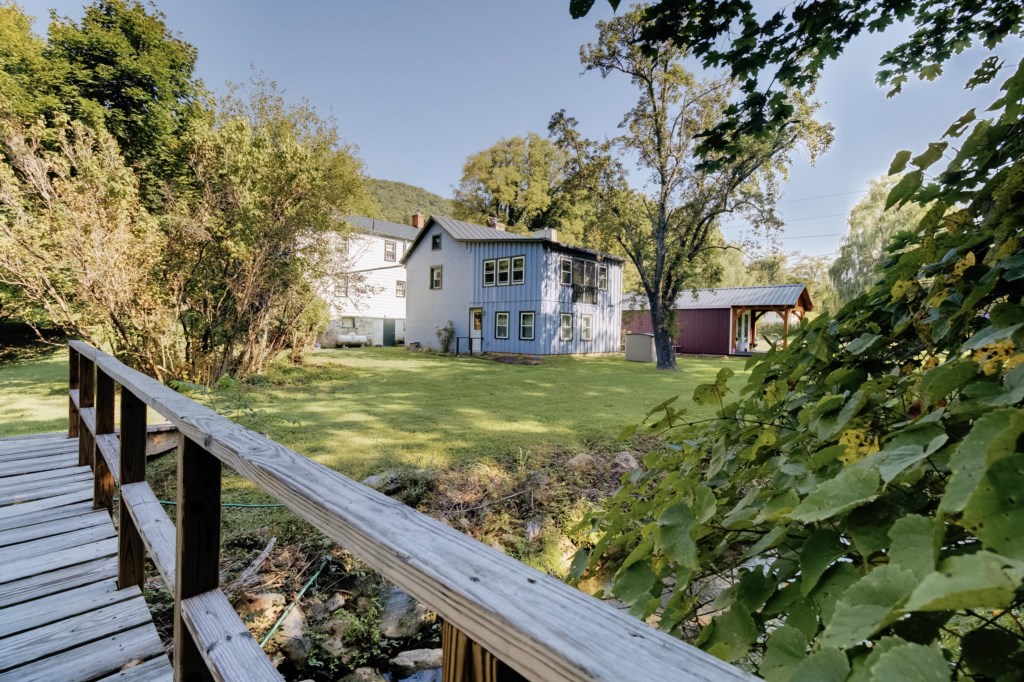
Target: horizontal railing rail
{"type": "Point", "coordinates": [497, 611]}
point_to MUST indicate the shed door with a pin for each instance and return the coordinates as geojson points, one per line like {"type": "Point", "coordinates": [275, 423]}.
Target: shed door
{"type": "Point", "coordinates": [389, 333]}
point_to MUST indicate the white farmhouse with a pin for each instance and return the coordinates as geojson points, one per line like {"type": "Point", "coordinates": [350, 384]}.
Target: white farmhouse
{"type": "Point", "coordinates": [368, 307]}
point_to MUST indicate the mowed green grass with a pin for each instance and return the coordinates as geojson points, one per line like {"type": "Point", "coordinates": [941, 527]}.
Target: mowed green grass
{"type": "Point", "coordinates": [362, 410]}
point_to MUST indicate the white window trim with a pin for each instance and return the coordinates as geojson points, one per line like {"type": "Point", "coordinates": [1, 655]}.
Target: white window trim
{"type": "Point", "coordinates": [508, 319]}
{"type": "Point", "coordinates": [587, 330]}
{"type": "Point", "coordinates": [436, 276]}
{"type": "Point", "coordinates": [533, 325]}
{"type": "Point", "coordinates": [494, 272]}
{"type": "Point", "coordinates": [399, 288]}
{"type": "Point", "coordinates": [390, 251]}
{"type": "Point", "coordinates": [508, 272]}
{"type": "Point", "coordinates": [561, 327]}
{"type": "Point", "coordinates": [602, 274]}
{"type": "Point", "coordinates": [522, 270]}
{"type": "Point", "coordinates": [563, 272]}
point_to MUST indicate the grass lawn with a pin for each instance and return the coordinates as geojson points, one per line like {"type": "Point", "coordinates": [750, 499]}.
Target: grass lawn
{"type": "Point", "coordinates": [33, 395]}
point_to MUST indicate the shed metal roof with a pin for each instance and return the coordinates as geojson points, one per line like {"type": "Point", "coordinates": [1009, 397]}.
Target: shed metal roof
{"type": "Point", "coordinates": [734, 297]}
{"type": "Point", "coordinates": [382, 227]}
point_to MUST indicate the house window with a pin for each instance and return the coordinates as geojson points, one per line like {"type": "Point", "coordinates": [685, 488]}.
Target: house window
{"type": "Point", "coordinates": [587, 327]}
{"type": "Point", "coordinates": [435, 243]}
{"type": "Point", "coordinates": [501, 325]}
{"type": "Point", "coordinates": [565, 327]}
{"type": "Point", "coordinates": [489, 266]}
{"type": "Point", "coordinates": [526, 323]}
{"type": "Point", "coordinates": [400, 289]}
{"type": "Point", "coordinates": [502, 272]}
{"type": "Point", "coordinates": [349, 322]}
{"type": "Point", "coordinates": [435, 277]}
{"type": "Point", "coordinates": [389, 250]}
{"type": "Point", "coordinates": [602, 277]}
{"type": "Point", "coordinates": [518, 269]}
{"type": "Point", "coordinates": [566, 272]}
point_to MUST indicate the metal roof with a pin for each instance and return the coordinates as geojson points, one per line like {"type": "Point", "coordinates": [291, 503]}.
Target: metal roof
{"type": "Point", "coordinates": [469, 232]}
{"type": "Point", "coordinates": [732, 297]}
{"type": "Point", "coordinates": [382, 227]}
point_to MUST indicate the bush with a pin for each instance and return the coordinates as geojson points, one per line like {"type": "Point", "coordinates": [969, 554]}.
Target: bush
{"type": "Point", "coordinates": [446, 335]}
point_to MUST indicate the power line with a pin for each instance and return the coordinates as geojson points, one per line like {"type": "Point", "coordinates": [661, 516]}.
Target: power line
{"type": "Point", "coordinates": [821, 196]}
{"type": "Point", "coordinates": [815, 236]}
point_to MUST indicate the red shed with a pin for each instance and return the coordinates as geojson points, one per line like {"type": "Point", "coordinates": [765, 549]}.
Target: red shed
{"type": "Point", "coordinates": [722, 321]}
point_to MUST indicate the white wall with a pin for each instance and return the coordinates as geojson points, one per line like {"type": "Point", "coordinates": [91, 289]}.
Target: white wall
{"type": "Point", "coordinates": [372, 291]}
{"type": "Point", "coordinates": [431, 308]}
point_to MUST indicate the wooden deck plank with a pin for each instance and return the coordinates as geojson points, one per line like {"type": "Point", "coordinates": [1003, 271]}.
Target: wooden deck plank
{"type": "Point", "coordinates": [28, 466]}
{"type": "Point", "coordinates": [41, 450]}
{"type": "Point", "coordinates": [60, 580]}
{"type": "Point", "coordinates": [49, 435]}
{"type": "Point", "coordinates": [102, 657]}
{"type": "Point", "coordinates": [83, 519]}
{"type": "Point", "coordinates": [24, 568]}
{"type": "Point", "coordinates": [34, 491]}
{"type": "Point", "coordinates": [42, 476]}
{"type": "Point", "coordinates": [39, 612]}
{"type": "Point", "coordinates": [15, 510]}
{"type": "Point", "coordinates": [154, 670]}
{"type": "Point", "coordinates": [57, 543]}
{"type": "Point", "coordinates": [47, 515]}
{"type": "Point", "coordinates": [57, 637]}
{"type": "Point", "coordinates": [30, 444]}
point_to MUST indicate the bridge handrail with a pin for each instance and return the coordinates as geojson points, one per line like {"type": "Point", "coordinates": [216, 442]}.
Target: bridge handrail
{"type": "Point", "coordinates": [538, 626]}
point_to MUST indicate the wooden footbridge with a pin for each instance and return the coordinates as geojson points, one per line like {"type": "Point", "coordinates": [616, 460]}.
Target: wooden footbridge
{"type": "Point", "coordinates": [71, 606]}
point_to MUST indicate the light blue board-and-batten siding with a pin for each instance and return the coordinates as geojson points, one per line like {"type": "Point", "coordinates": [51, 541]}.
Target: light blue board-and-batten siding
{"type": "Point", "coordinates": [541, 293]}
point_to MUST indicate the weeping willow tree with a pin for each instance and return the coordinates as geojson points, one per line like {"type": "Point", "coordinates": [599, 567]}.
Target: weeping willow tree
{"type": "Point", "coordinates": [872, 227]}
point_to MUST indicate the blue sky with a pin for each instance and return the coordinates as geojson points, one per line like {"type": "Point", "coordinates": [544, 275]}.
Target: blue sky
{"type": "Point", "coordinates": [418, 86]}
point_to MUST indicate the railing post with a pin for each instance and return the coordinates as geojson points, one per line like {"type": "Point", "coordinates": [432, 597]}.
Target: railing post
{"type": "Point", "coordinates": [198, 548]}
{"type": "Point", "coordinates": [86, 398]}
{"type": "Point", "coordinates": [72, 385]}
{"type": "Point", "coordinates": [103, 480]}
{"type": "Point", "coordinates": [463, 660]}
{"type": "Point", "coordinates": [130, 550]}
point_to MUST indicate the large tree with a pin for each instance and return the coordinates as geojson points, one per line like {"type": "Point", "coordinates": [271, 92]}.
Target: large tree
{"type": "Point", "coordinates": [252, 233]}
{"type": "Point", "coordinates": [669, 231]}
{"type": "Point", "coordinates": [520, 181]}
{"type": "Point", "coordinates": [872, 227]}
{"type": "Point", "coordinates": [135, 77]}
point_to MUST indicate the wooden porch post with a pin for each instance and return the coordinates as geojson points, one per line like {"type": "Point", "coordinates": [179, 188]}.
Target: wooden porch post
{"type": "Point", "coordinates": [463, 660]}
{"type": "Point", "coordinates": [785, 327]}
{"type": "Point", "coordinates": [103, 479]}
{"type": "Point", "coordinates": [72, 385]}
{"type": "Point", "coordinates": [130, 550]}
{"type": "Point", "coordinates": [198, 549]}
{"type": "Point", "coordinates": [86, 398]}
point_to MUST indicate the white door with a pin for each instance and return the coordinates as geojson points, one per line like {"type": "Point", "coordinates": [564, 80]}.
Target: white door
{"type": "Point", "coordinates": [476, 329]}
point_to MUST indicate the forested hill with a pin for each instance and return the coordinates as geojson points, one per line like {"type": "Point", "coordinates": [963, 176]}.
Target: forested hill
{"type": "Point", "coordinates": [399, 201]}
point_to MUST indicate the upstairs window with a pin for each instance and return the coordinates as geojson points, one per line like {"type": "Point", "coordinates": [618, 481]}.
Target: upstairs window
{"type": "Point", "coordinates": [435, 242]}
{"type": "Point", "coordinates": [518, 269]}
{"type": "Point", "coordinates": [567, 272]}
{"type": "Point", "coordinates": [501, 325]}
{"type": "Point", "coordinates": [526, 325]}
{"type": "Point", "coordinates": [602, 277]}
{"type": "Point", "coordinates": [502, 272]}
{"type": "Point", "coordinates": [489, 267]}
{"type": "Point", "coordinates": [390, 248]}
{"type": "Point", "coordinates": [587, 327]}
{"type": "Point", "coordinates": [400, 289]}
{"type": "Point", "coordinates": [435, 277]}
{"type": "Point", "coordinates": [565, 327]}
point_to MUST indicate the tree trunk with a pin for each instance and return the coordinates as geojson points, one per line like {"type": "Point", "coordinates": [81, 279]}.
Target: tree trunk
{"type": "Point", "coordinates": [662, 337]}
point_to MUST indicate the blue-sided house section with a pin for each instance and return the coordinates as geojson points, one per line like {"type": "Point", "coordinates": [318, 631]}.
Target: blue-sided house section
{"type": "Point", "coordinates": [511, 293]}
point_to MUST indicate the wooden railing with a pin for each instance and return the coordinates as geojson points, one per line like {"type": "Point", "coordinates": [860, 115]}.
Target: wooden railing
{"type": "Point", "coordinates": [502, 619]}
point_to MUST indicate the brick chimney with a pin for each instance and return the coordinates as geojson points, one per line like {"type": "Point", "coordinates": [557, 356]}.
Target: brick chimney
{"type": "Point", "coordinates": [493, 222]}
{"type": "Point", "coordinates": [418, 221]}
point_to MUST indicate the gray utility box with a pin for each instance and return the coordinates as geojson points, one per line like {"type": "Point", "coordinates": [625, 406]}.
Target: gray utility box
{"type": "Point", "coordinates": [640, 348]}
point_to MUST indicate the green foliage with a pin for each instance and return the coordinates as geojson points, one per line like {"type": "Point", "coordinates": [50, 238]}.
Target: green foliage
{"type": "Point", "coordinates": [399, 201]}
{"type": "Point", "coordinates": [445, 336]}
{"type": "Point", "coordinates": [670, 229]}
{"type": "Point", "coordinates": [520, 181]}
{"type": "Point", "coordinates": [878, 525]}
{"type": "Point", "coordinates": [134, 77]}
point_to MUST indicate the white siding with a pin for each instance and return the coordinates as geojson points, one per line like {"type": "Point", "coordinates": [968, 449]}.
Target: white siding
{"type": "Point", "coordinates": [374, 296]}
{"type": "Point", "coordinates": [429, 309]}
